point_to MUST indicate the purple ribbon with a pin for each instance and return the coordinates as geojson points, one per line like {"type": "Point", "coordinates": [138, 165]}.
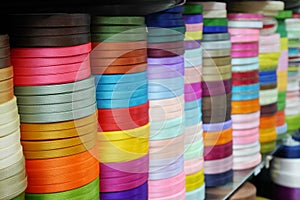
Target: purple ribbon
{"type": "Point", "coordinates": [188, 97]}
{"type": "Point", "coordinates": [139, 193]}
{"type": "Point", "coordinates": [214, 88]}
{"type": "Point", "coordinates": [193, 19]}
{"type": "Point", "coordinates": [193, 87]}
{"type": "Point", "coordinates": [214, 127]}
{"type": "Point", "coordinates": [165, 61]}
{"type": "Point", "coordinates": [192, 44]}
{"type": "Point", "coordinates": [165, 71]}
{"type": "Point", "coordinates": [165, 75]}
{"type": "Point", "coordinates": [286, 193]}
{"type": "Point", "coordinates": [218, 151]}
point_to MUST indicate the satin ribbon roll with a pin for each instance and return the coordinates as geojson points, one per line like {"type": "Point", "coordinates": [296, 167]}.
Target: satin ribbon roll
{"type": "Point", "coordinates": [267, 122]}
{"type": "Point", "coordinates": [244, 54]}
{"type": "Point", "coordinates": [244, 61]}
{"type": "Point", "coordinates": [136, 193]}
{"type": "Point", "coordinates": [207, 62]}
{"type": "Point", "coordinates": [121, 37]}
{"type": "Point", "coordinates": [152, 31]}
{"type": "Point", "coordinates": [245, 136]}
{"type": "Point", "coordinates": [244, 16]}
{"type": "Point", "coordinates": [81, 192]}
{"type": "Point", "coordinates": [17, 185]}
{"type": "Point", "coordinates": [118, 54]}
{"type": "Point", "coordinates": [244, 46]}
{"type": "Point", "coordinates": [246, 149]}
{"type": "Point", "coordinates": [218, 166]}
{"type": "Point", "coordinates": [6, 73]}
{"type": "Point", "coordinates": [154, 53]}
{"type": "Point", "coordinates": [214, 127]}
{"type": "Point", "coordinates": [193, 166]}
{"type": "Point", "coordinates": [190, 36]}
{"type": "Point", "coordinates": [198, 193]}
{"type": "Point", "coordinates": [214, 29]}
{"type": "Point", "coordinates": [226, 44]}
{"type": "Point", "coordinates": [216, 53]}
{"type": "Point", "coordinates": [190, 44]}
{"type": "Point", "coordinates": [120, 78]}
{"type": "Point", "coordinates": [112, 69]}
{"type": "Point", "coordinates": [110, 46]}
{"type": "Point", "coordinates": [51, 41]}
{"type": "Point", "coordinates": [193, 19]}
{"type": "Point", "coordinates": [194, 181]}
{"type": "Point", "coordinates": [215, 37]}
{"type": "Point", "coordinates": [285, 192]}
{"type": "Point", "coordinates": [105, 62]}
{"type": "Point", "coordinates": [281, 130]}
{"type": "Point", "coordinates": [267, 135]}
{"type": "Point", "coordinates": [218, 151]}
{"type": "Point", "coordinates": [120, 142]}
{"type": "Point", "coordinates": [192, 8]}
{"type": "Point", "coordinates": [214, 14]}
{"type": "Point", "coordinates": [244, 118]}
{"type": "Point", "coordinates": [103, 20]}
{"type": "Point", "coordinates": [217, 138]}
{"type": "Point", "coordinates": [268, 110]}
{"type": "Point", "coordinates": [268, 96]}
{"type": "Point", "coordinates": [255, 24]}
{"type": "Point", "coordinates": [214, 180]}
{"type": "Point", "coordinates": [158, 189]}
{"type": "Point", "coordinates": [244, 39]}
{"type": "Point", "coordinates": [250, 163]}
{"type": "Point", "coordinates": [165, 171]}
{"type": "Point", "coordinates": [215, 22]}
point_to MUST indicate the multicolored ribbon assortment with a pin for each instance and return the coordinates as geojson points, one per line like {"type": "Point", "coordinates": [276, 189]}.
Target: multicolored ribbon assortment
{"type": "Point", "coordinates": [13, 178]}
{"type": "Point", "coordinates": [282, 74]}
{"type": "Point", "coordinates": [244, 29]}
{"type": "Point", "coordinates": [216, 100]}
{"type": "Point", "coordinates": [119, 62]}
{"type": "Point", "coordinates": [284, 171]}
{"type": "Point", "coordinates": [193, 155]}
{"type": "Point", "coordinates": [166, 31]}
{"type": "Point", "coordinates": [269, 52]}
{"type": "Point", "coordinates": [292, 109]}
{"type": "Point", "coordinates": [56, 100]}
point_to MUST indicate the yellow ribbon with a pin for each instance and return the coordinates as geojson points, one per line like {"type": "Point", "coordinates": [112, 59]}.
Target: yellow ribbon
{"type": "Point", "coordinates": [194, 181]}
{"type": "Point", "coordinates": [193, 35]}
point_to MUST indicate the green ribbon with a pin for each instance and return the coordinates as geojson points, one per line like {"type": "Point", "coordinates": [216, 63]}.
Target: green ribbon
{"type": "Point", "coordinates": [122, 37]}
{"type": "Point", "coordinates": [55, 89]}
{"type": "Point", "coordinates": [267, 147]}
{"type": "Point", "coordinates": [215, 22]}
{"type": "Point", "coordinates": [193, 9]}
{"type": "Point", "coordinates": [20, 197]}
{"type": "Point", "coordinates": [281, 28]}
{"type": "Point", "coordinates": [284, 14]}
{"type": "Point", "coordinates": [118, 29]}
{"type": "Point", "coordinates": [293, 122]}
{"type": "Point", "coordinates": [171, 38]}
{"type": "Point", "coordinates": [166, 31]}
{"type": "Point", "coordinates": [89, 191]}
{"type": "Point", "coordinates": [118, 20]}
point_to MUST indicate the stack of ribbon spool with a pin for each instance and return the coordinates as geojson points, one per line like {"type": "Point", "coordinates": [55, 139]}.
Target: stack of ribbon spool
{"type": "Point", "coordinates": [119, 62]}
{"type": "Point", "coordinates": [166, 94]}
{"type": "Point", "coordinates": [216, 91]}
{"type": "Point", "coordinates": [13, 179]}
{"type": "Point", "coordinates": [193, 154]}
{"type": "Point", "coordinates": [284, 171]}
{"type": "Point", "coordinates": [269, 52]}
{"type": "Point", "coordinates": [56, 100]}
{"type": "Point", "coordinates": [282, 73]}
{"type": "Point", "coordinates": [244, 30]}
{"type": "Point", "coordinates": [292, 109]}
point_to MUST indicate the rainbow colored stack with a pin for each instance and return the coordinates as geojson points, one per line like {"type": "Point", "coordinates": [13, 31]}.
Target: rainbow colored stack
{"type": "Point", "coordinates": [13, 179]}
{"type": "Point", "coordinates": [282, 74]}
{"type": "Point", "coordinates": [166, 94]}
{"type": "Point", "coordinates": [269, 52]}
{"type": "Point", "coordinates": [216, 92]}
{"type": "Point", "coordinates": [193, 154]}
{"type": "Point", "coordinates": [244, 30]}
{"type": "Point", "coordinates": [119, 62]}
{"type": "Point", "coordinates": [292, 109]}
{"type": "Point", "coordinates": [57, 106]}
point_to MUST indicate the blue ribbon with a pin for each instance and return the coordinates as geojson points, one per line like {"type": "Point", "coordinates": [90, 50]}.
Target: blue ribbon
{"type": "Point", "coordinates": [284, 151]}
{"type": "Point", "coordinates": [176, 9]}
{"type": "Point", "coordinates": [244, 96]}
{"type": "Point", "coordinates": [249, 67]}
{"type": "Point", "coordinates": [120, 78]}
{"type": "Point", "coordinates": [165, 24]}
{"type": "Point", "coordinates": [122, 87]}
{"type": "Point", "coordinates": [193, 19]}
{"type": "Point", "coordinates": [193, 121]}
{"type": "Point", "coordinates": [215, 29]}
{"type": "Point", "coordinates": [124, 103]}
{"type": "Point", "coordinates": [193, 104]}
{"type": "Point", "coordinates": [121, 94]}
{"type": "Point", "coordinates": [246, 88]}
{"type": "Point", "coordinates": [214, 127]}
{"type": "Point", "coordinates": [214, 180]}
{"type": "Point", "coordinates": [244, 61]}
{"type": "Point", "coordinates": [139, 193]}
{"type": "Point", "coordinates": [281, 129]}
{"type": "Point", "coordinates": [166, 94]}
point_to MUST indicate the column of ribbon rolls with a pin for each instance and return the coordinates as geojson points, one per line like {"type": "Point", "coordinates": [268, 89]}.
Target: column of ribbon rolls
{"type": "Point", "coordinates": [292, 109]}
{"type": "Point", "coordinates": [244, 29]}
{"type": "Point", "coordinates": [56, 101]}
{"type": "Point", "coordinates": [284, 171]}
{"type": "Point", "coordinates": [13, 179]}
{"type": "Point", "coordinates": [166, 94]}
{"type": "Point", "coordinates": [193, 154]}
{"type": "Point", "coordinates": [216, 92]}
{"type": "Point", "coordinates": [282, 74]}
{"type": "Point", "coordinates": [119, 63]}
{"type": "Point", "coordinates": [269, 52]}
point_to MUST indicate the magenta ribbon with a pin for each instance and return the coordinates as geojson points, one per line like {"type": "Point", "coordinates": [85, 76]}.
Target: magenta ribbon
{"type": "Point", "coordinates": [218, 151]}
